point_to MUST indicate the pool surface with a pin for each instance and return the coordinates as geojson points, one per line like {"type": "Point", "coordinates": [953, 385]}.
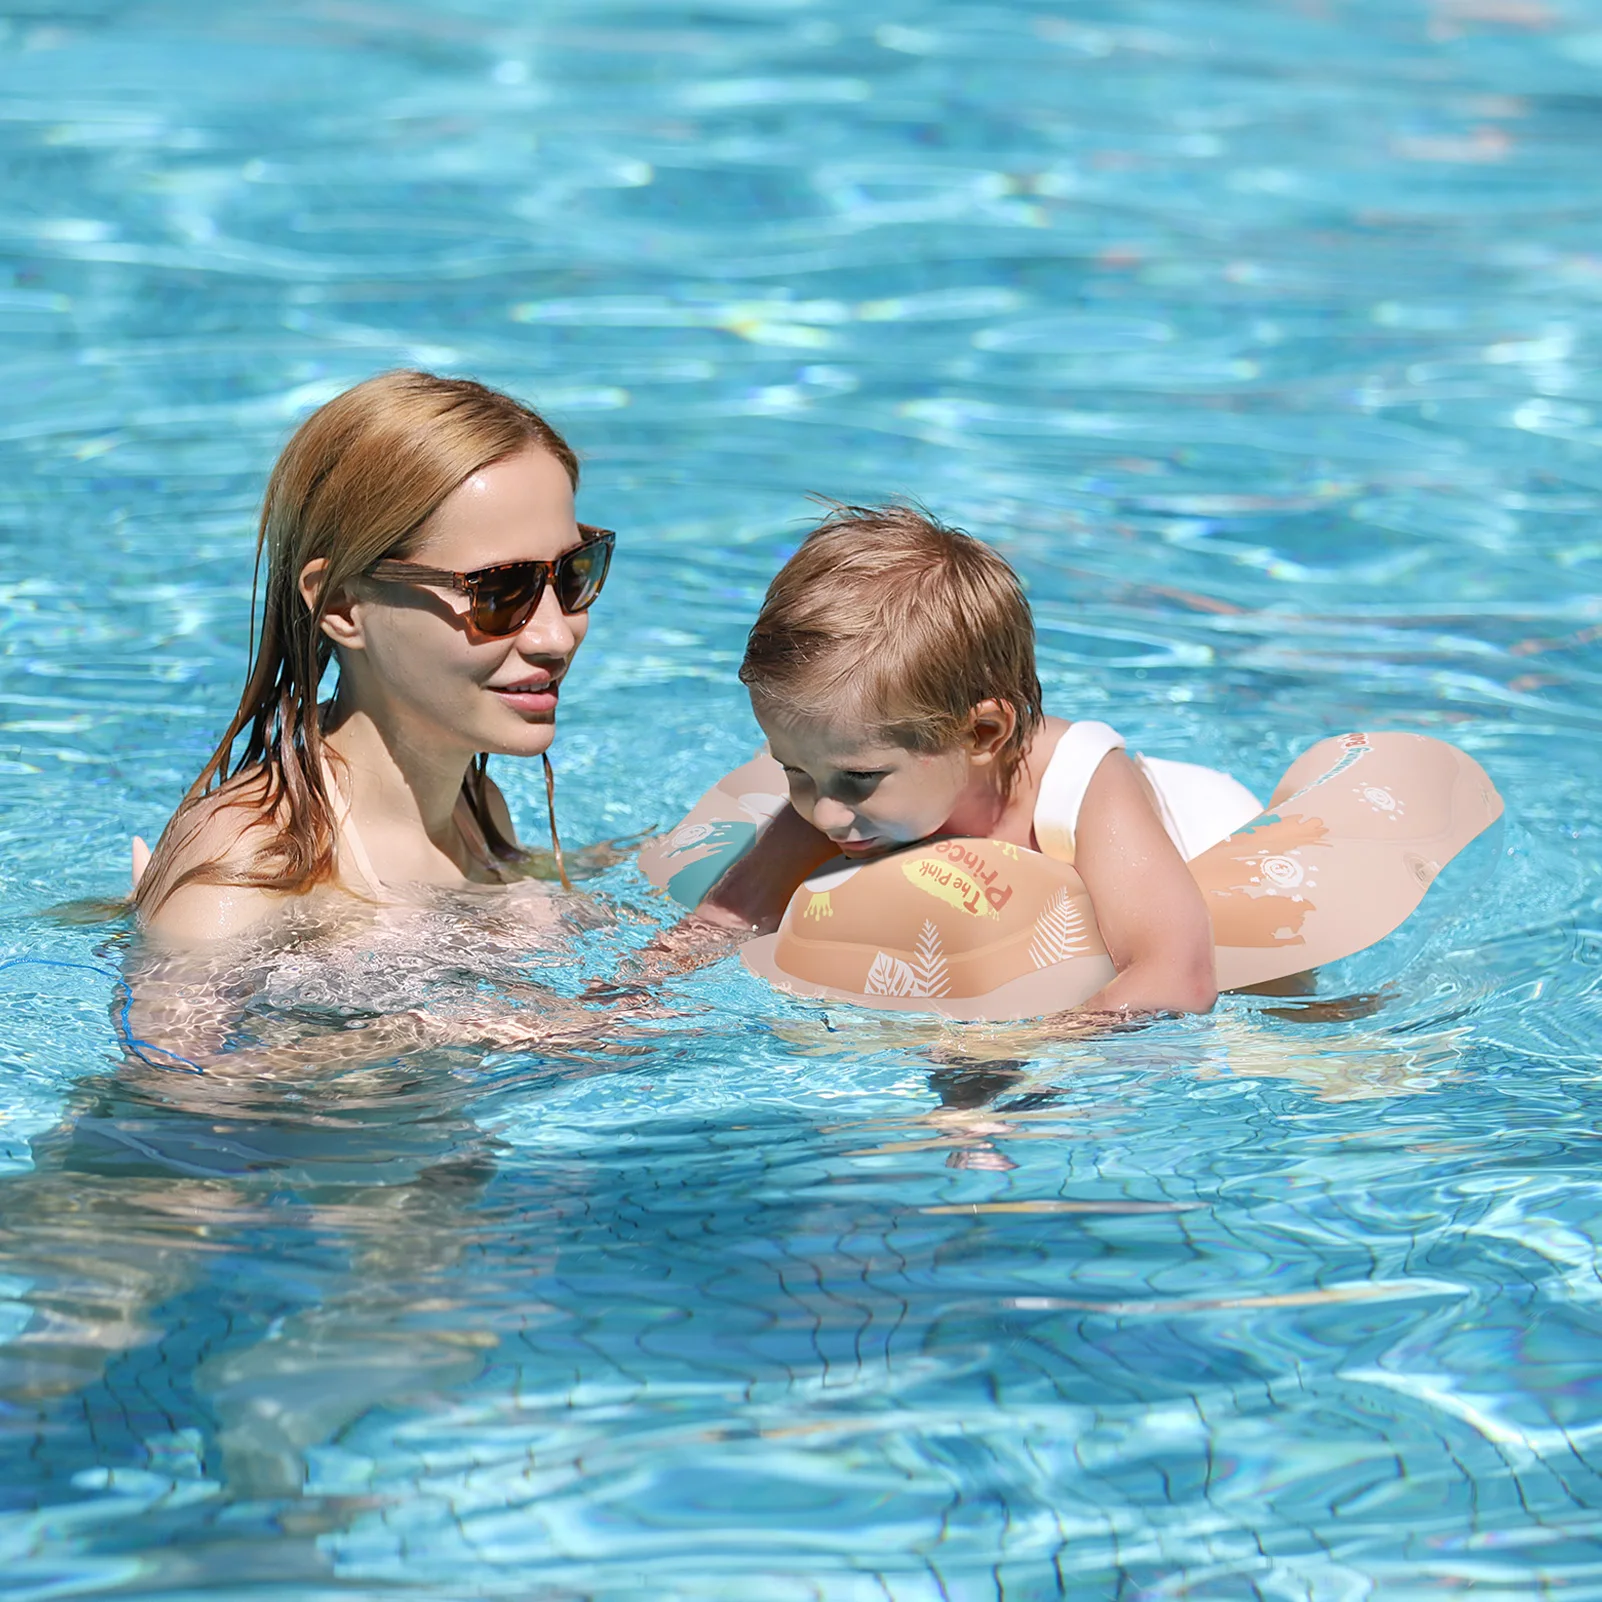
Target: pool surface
{"type": "Point", "coordinates": [1265, 337]}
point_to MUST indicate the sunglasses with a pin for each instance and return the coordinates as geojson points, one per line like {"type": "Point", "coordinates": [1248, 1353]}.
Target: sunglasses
{"type": "Point", "coordinates": [501, 599]}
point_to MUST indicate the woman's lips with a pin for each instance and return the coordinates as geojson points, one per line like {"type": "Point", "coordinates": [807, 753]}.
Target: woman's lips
{"type": "Point", "coordinates": [532, 701]}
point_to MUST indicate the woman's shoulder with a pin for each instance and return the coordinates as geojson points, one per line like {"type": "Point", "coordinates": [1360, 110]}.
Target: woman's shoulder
{"type": "Point", "coordinates": [211, 837]}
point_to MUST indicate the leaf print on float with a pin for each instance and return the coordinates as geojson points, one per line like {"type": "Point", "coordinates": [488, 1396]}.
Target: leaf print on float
{"type": "Point", "coordinates": [1060, 932]}
{"type": "Point", "coordinates": [890, 976]}
{"type": "Point", "coordinates": [930, 962]}
{"type": "Point", "coordinates": [925, 975]}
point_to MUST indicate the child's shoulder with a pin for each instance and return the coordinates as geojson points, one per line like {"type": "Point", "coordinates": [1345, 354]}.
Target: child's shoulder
{"type": "Point", "coordinates": [1051, 730]}
{"type": "Point", "coordinates": [1064, 758]}
{"type": "Point", "coordinates": [1060, 742]}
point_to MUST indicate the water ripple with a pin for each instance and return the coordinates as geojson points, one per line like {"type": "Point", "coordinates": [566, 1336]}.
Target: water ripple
{"type": "Point", "coordinates": [1265, 339]}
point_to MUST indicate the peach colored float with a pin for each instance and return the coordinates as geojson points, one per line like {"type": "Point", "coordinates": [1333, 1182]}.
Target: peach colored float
{"type": "Point", "coordinates": [1353, 837]}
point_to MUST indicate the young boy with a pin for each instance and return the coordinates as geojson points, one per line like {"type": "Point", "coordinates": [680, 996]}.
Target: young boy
{"type": "Point", "coordinates": [892, 669]}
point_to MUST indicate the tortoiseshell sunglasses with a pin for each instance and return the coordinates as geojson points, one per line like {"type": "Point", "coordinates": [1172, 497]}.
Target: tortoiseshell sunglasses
{"type": "Point", "coordinates": [501, 599]}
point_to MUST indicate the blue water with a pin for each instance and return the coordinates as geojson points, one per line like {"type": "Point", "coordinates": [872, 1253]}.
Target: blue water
{"type": "Point", "coordinates": [1264, 337]}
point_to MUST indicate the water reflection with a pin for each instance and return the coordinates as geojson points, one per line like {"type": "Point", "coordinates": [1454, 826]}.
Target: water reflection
{"type": "Point", "coordinates": [289, 1147]}
{"type": "Point", "coordinates": [137, 1200]}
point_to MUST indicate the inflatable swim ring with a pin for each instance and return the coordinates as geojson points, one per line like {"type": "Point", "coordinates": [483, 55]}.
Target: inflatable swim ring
{"type": "Point", "coordinates": [1353, 837]}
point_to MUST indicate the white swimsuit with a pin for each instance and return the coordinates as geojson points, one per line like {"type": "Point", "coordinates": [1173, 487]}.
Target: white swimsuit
{"type": "Point", "coordinates": [1198, 806]}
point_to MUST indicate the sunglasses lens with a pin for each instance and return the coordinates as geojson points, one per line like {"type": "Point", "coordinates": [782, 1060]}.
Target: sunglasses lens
{"type": "Point", "coordinates": [504, 598]}
{"type": "Point", "coordinates": [502, 604]}
{"type": "Point", "coordinates": [581, 573]}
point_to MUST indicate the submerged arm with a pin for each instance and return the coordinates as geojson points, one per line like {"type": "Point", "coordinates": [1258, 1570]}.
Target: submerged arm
{"type": "Point", "coordinates": [173, 1014]}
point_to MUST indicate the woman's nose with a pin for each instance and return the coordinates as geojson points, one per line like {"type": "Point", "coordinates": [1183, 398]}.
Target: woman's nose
{"type": "Point", "coordinates": [549, 630]}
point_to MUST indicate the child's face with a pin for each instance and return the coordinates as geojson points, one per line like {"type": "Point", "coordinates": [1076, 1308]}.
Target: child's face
{"type": "Point", "coordinates": [866, 796]}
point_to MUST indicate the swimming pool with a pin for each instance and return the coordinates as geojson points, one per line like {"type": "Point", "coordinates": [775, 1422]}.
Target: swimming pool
{"type": "Point", "coordinates": [1264, 338]}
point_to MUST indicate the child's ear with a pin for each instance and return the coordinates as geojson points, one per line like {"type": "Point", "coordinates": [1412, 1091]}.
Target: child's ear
{"type": "Point", "coordinates": [990, 729]}
{"type": "Point", "coordinates": [341, 621]}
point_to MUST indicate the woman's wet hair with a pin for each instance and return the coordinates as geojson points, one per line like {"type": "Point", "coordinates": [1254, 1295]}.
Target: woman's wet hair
{"type": "Point", "coordinates": [887, 619]}
{"type": "Point", "coordinates": [356, 483]}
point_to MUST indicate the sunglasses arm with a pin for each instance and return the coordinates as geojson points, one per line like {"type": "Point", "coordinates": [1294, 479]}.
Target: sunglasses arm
{"type": "Point", "coordinates": [412, 573]}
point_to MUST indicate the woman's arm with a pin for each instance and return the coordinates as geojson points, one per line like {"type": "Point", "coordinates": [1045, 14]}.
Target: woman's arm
{"type": "Point", "coordinates": [181, 1010]}
{"type": "Point", "coordinates": [1149, 908]}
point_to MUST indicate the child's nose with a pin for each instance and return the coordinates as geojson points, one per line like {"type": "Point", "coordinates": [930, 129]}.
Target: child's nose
{"type": "Point", "coordinates": [831, 817]}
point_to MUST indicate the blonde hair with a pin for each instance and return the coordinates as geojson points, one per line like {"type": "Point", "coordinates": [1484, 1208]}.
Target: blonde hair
{"type": "Point", "coordinates": [355, 484]}
{"type": "Point", "coordinates": [887, 617]}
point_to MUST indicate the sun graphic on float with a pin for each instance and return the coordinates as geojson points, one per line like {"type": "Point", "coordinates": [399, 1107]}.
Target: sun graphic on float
{"type": "Point", "coordinates": [1284, 873]}
{"type": "Point", "coordinates": [1379, 800]}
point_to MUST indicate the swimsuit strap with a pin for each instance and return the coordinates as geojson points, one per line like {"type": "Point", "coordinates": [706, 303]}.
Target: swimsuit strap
{"type": "Point", "coordinates": [474, 839]}
{"type": "Point", "coordinates": [349, 839]}
{"type": "Point", "coordinates": [1062, 786]}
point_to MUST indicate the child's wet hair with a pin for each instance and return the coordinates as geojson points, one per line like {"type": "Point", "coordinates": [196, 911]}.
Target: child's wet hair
{"type": "Point", "coordinates": [887, 618]}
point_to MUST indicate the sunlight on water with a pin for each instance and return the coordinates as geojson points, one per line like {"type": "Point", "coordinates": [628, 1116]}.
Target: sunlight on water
{"type": "Point", "coordinates": [1263, 336]}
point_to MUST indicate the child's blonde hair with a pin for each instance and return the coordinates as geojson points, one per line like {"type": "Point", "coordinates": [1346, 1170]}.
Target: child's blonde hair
{"type": "Point", "coordinates": [888, 618]}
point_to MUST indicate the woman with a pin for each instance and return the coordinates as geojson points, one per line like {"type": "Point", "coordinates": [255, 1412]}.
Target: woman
{"type": "Point", "coordinates": [419, 531]}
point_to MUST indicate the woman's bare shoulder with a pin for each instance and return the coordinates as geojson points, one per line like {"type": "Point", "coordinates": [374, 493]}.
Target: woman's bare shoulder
{"type": "Point", "coordinates": [225, 832]}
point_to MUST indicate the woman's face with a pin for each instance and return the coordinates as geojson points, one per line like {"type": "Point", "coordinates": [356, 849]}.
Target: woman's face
{"type": "Point", "coordinates": [423, 663]}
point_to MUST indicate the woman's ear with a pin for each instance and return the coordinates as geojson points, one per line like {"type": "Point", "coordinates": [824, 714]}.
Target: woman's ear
{"type": "Point", "coordinates": [340, 622]}
{"type": "Point", "coordinates": [990, 729]}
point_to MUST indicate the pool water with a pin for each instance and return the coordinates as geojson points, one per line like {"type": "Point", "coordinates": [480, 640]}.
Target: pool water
{"type": "Point", "coordinates": [1264, 336]}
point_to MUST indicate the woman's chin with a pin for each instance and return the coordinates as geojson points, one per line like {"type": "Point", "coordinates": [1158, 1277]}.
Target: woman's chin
{"type": "Point", "coordinates": [526, 739]}
{"type": "Point", "coordinates": [536, 741]}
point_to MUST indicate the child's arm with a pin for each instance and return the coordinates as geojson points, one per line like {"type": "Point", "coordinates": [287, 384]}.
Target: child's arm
{"type": "Point", "coordinates": [753, 894]}
{"type": "Point", "coordinates": [748, 900]}
{"type": "Point", "coordinates": [1149, 908]}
